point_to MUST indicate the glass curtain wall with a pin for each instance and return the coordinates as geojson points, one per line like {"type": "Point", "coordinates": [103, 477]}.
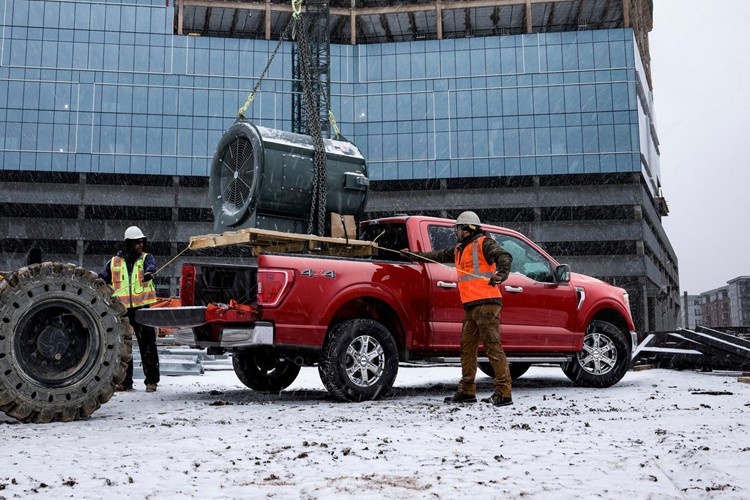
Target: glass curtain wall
{"type": "Point", "coordinates": [107, 87]}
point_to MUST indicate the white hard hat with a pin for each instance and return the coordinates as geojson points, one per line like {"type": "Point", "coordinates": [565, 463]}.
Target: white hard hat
{"type": "Point", "coordinates": [467, 219]}
{"type": "Point", "coordinates": [134, 233]}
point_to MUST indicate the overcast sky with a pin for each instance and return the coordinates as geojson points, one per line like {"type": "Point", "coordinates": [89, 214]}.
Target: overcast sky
{"type": "Point", "coordinates": [700, 61]}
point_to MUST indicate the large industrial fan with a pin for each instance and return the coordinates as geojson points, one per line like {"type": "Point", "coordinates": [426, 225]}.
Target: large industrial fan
{"type": "Point", "coordinates": [263, 178]}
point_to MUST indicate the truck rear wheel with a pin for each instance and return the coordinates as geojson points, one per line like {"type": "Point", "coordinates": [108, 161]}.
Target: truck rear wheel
{"type": "Point", "coordinates": [516, 369]}
{"type": "Point", "coordinates": [359, 361]}
{"type": "Point", "coordinates": [264, 370]}
{"type": "Point", "coordinates": [604, 359]}
{"type": "Point", "coordinates": [65, 342]}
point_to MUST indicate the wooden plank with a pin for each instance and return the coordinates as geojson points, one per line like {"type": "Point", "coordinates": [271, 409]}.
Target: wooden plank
{"type": "Point", "coordinates": [263, 241]}
{"type": "Point", "coordinates": [640, 368]}
{"type": "Point", "coordinates": [744, 380]}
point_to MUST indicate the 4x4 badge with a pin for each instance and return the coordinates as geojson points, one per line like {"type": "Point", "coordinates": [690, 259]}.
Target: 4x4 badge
{"type": "Point", "coordinates": [312, 273]}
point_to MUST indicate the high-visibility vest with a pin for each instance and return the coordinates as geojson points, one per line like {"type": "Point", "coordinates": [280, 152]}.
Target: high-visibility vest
{"type": "Point", "coordinates": [131, 290]}
{"type": "Point", "coordinates": [474, 286]}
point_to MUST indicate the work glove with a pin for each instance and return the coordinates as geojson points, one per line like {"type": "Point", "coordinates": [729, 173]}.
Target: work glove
{"type": "Point", "coordinates": [148, 276]}
{"type": "Point", "coordinates": [495, 280]}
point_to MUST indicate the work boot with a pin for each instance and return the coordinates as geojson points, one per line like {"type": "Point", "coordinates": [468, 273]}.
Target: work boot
{"type": "Point", "coordinates": [150, 387]}
{"type": "Point", "coordinates": [123, 388]}
{"type": "Point", "coordinates": [461, 397]}
{"type": "Point", "coordinates": [498, 400]}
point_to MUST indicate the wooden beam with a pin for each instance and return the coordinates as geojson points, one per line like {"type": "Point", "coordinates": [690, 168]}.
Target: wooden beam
{"type": "Point", "coordinates": [439, 18]}
{"type": "Point", "coordinates": [528, 17]}
{"type": "Point", "coordinates": [626, 13]}
{"type": "Point", "coordinates": [264, 241]}
{"type": "Point", "coordinates": [369, 11]}
{"type": "Point", "coordinates": [180, 12]}
{"type": "Point", "coordinates": [353, 24]}
{"type": "Point", "coordinates": [268, 19]}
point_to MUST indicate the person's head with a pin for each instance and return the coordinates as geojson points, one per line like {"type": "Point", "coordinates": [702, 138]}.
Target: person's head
{"type": "Point", "coordinates": [34, 256]}
{"type": "Point", "coordinates": [467, 224]}
{"type": "Point", "coordinates": [134, 239]}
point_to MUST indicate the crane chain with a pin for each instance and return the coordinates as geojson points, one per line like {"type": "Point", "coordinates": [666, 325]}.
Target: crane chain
{"type": "Point", "coordinates": [320, 174]}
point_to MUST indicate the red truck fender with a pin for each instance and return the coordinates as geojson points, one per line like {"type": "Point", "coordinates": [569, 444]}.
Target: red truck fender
{"type": "Point", "coordinates": [344, 305]}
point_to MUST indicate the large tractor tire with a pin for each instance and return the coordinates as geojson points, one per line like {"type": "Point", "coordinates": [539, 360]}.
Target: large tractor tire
{"type": "Point", "coordinates": [65, 342]}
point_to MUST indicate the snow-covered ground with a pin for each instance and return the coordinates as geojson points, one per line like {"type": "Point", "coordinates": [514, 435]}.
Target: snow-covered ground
{"type": "Point", "coordinates": [656, 434]}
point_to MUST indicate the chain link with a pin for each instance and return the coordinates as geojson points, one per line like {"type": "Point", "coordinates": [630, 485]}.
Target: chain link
{"type": "Point", "coordinates": [320, 173]}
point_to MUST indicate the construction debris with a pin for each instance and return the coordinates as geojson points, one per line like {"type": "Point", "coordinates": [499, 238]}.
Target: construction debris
{"type": "Point", "coordinates": [703, 348]}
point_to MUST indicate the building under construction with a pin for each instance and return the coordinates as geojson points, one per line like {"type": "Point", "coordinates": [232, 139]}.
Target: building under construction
{"type": "Point", "coordinates": [537, 114]}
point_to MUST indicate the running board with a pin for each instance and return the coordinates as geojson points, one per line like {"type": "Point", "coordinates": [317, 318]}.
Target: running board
{"type": "Point", "coordinates": [511, 359]}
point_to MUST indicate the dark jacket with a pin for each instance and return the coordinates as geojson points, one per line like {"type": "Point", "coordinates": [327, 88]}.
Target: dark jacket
{"type": "Point", "coordinates": [149, 265]}
{"type": "Point", "coordinates": [493, 253]}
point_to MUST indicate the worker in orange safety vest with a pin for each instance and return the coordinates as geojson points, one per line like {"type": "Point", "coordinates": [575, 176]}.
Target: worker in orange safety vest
{"type": "Point", "coordinates": [482, 264]}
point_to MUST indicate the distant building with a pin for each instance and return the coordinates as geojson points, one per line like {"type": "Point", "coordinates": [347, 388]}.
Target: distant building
{"type": "Point", "coordinates": [692, 311]}
{"type": "Point", "coordinates": [728, 305]}
{"type": "Point", "coordinates": [739, 300]}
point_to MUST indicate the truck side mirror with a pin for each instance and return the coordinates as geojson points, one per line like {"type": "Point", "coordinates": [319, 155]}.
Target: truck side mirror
{"type": "Point", "coordinates": [562, 273]}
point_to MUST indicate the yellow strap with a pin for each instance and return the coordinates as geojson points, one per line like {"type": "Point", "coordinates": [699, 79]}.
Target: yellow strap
{"type": "Point", "coordinates": [243, 109]}
{"type": "Point", "coordinates": [332, 119]}
{"type": "Point", "coordinates": [296, 8]}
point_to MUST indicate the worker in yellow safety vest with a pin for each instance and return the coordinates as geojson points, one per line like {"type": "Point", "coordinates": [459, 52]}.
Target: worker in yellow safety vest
{"type": "Point", "coordinates": [131, 273]}
{"type": "Point", "coordinates": [482, 264]}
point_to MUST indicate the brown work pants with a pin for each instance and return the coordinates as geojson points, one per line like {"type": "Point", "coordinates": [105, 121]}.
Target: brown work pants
{"type": "Point", "coordinates": [483, 323]}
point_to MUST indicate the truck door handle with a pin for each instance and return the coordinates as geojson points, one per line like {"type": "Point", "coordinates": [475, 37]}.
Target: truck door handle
{"type": "Point", "coordinates": [514, 289]}
{"type": "Point", "coordinates": [446, 284]}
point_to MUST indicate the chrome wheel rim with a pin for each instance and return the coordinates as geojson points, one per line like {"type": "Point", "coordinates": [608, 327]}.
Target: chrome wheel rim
{"type": "Point", "coordinates": [599, 354]}
{"type": "Point", "coordinates": [364, 361]}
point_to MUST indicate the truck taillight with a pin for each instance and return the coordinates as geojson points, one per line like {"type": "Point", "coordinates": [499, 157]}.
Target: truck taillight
{"type": "Point", "coordinates": [187, 285]}
{"type": "Point", "coordinates": [273, 284]}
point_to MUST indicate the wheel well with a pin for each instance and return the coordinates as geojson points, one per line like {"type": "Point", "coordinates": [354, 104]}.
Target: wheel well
{"type": "Point", "coordinates": [612, 316]}
{"type": "Point", "coordinates": [371, 308]}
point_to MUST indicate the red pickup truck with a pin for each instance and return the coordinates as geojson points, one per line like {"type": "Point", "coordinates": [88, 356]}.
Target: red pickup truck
{"type": "Point", "coordinates": [356, 319]}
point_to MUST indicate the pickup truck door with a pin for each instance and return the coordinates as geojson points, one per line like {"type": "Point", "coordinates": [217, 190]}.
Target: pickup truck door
{"type": "Point", "coordinates": [445, 310]}
{"type": "Point", "coordinates": [538, 313]}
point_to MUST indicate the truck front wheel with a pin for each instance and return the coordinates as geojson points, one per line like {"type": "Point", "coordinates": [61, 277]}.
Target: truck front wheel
{"type": "Point", "coordinates": [360, 360]}
{"type": "Point", "coordinates": [264, 370]}
{"type": "Point", "coordinates": [65, 342]}
{"type": "Point", "coordinates": [604, 358]}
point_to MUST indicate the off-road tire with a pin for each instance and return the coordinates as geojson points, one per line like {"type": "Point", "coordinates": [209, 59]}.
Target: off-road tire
{"type": "Point", "coordinates": [604, 359]}
{"type": "Point", "coordinates": [65, 342]}
{"type": "Point", "coordinates": [516, 369]}
{"type": "Point", "coordinates": [359, 360]}
{"type": "Point", "coordinates": [264, 370]}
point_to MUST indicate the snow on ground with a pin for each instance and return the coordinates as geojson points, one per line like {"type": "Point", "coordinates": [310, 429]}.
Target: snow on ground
{"type": "Point", "coordinates": [656, 434]}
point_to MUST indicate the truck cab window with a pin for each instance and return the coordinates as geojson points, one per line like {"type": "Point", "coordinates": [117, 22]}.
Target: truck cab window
{"type": "Point", "coordinates": [390, 239]}
{"type": "Point", "coordinates": [526, 260]}
{"type": "Point", "coordinates": [442, 237]}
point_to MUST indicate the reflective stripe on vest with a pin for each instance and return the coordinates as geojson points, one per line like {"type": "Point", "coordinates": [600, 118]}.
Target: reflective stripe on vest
{"type": "Point", "coordinates": [474, 286]}
{"type": "Point", "coordinates": [130, 289]}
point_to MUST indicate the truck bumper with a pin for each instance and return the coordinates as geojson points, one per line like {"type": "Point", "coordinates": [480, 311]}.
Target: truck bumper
{"type": "Point", "coordinates": [633, 343]}
{"type": "Point", "coordinates": [261, 333]}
